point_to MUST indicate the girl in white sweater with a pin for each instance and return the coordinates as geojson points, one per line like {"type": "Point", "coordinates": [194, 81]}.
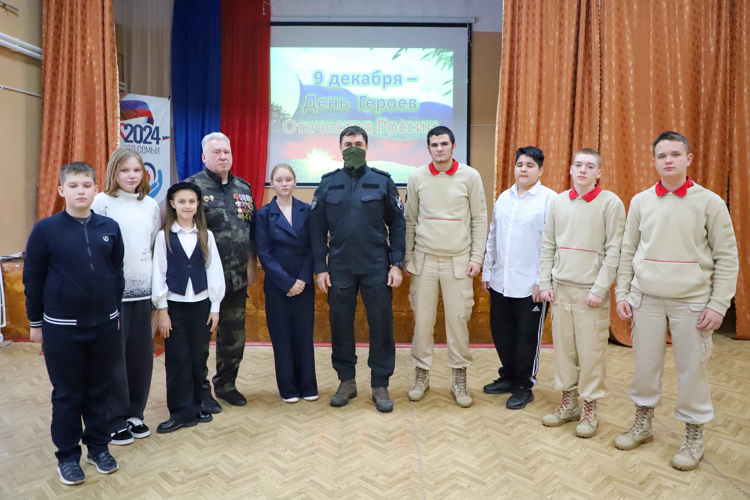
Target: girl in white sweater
{"type": "Point", "coordinates": [125, 199]}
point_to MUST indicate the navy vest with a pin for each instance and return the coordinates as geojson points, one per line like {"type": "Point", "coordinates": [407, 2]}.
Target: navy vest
{"type": "Point", "coordinates": [180, 268]}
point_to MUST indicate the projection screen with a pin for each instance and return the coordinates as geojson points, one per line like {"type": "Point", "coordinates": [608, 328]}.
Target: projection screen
{"type": "Point", "coordinates": [396, 82]}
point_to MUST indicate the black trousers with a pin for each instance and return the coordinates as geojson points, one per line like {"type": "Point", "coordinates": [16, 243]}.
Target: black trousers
{"type": "Point", "coordinates": [290, 322]}
{"type": "Point", "coordinates": [80, 363]}
{"type": "Point", "coordinates": [183, 350]}
{"type": "Point", "coordinates": [517, 326]}
{"type": "Point", "coordinates": [378, 299]}
{"type": "Point", "coordinates": [131, 381]}
{"type": "Point", "coordinates": [230, 343]}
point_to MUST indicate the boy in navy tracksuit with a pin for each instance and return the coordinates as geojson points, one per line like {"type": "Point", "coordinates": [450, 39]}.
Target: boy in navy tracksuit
{"type": "Point", "coordinates": [73, 279]}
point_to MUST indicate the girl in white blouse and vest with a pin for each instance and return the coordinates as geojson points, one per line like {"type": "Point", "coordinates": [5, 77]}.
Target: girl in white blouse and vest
{"type": "Point", "coordinates": [187, 289]}
{"type": "Point", "coordinates": [125, 199]}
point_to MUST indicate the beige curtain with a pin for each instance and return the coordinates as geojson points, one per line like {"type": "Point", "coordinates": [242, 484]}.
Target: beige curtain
{"type": "Point", "coordinates": [611, 75]}
{"type": "Point", "coordinates": [80, 105]}
{"type": "Point", "coordinates": [541, 80]}
{"type": "Point", "coordinates": [737, 154]}
{"type": "Point", "coordinates": [674, 75]}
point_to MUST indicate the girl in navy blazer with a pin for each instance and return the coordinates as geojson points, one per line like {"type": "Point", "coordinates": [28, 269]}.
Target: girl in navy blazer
{"type": "Point", "coordinates": [283, 242]}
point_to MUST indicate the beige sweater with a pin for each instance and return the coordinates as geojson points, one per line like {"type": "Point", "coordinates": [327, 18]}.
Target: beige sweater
{"type": "Point", "coordinates": [581, 242]}
{"type": "Point", "coordinates": [446, 214]}
{"type": "Point", "coordinates": [673, 246]}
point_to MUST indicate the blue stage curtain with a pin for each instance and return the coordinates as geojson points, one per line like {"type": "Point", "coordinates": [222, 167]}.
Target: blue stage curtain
{"type": "Point", "coordinates": [196, 79]}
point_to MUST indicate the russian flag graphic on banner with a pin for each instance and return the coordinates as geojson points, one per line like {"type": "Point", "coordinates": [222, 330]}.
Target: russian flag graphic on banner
{"type": "Point", "coordinates": [135, 109]}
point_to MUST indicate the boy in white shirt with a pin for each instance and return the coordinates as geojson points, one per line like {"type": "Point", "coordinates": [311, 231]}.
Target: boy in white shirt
{"type": "Point", "coordinates": [511, 275]}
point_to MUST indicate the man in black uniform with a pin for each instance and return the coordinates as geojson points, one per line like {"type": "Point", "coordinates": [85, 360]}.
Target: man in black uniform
{"type": "Point", "coordinates": [355, 204]}
{"type": "Point", "coordinates": [230, 215]}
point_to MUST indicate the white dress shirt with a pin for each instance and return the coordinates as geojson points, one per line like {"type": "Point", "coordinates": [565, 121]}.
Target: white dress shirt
{"type": "Point", "coordinates": [511, 264]}
{"type": "Point", "coordinates": [160, 293]}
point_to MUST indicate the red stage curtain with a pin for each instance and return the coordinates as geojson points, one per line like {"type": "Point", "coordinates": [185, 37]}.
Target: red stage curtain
{"type": "Point", "coordinates": [245, 87]}
{"type": "Point", "coordinates": [80, 106]}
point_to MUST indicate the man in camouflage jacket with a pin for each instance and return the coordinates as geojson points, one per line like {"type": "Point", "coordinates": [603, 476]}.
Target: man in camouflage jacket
{"type": "Point", "coordinates": [230, 214]}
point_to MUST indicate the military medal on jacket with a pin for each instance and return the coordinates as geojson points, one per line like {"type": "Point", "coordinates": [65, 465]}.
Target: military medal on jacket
{"type": "Point", "coordinates": [244, 205]}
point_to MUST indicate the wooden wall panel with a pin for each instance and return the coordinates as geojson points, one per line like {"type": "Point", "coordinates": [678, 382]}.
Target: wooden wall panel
{"type": "Point", "coordinates": [257, 331]}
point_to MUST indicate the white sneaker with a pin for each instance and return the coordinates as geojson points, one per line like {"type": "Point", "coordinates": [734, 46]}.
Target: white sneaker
{"type": "Point", "coordinates": [290, 400]}
{"type": "Point", "coordinates": [311, 398]}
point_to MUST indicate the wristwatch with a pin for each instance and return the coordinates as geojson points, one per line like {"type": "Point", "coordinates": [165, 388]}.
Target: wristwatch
{"type": "Point", "coordinates": [399, 264]}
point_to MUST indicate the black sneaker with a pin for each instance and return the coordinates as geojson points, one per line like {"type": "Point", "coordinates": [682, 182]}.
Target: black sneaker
{"type": "Point", "coordinates": [105, 463]}
{"type": "Point", "coordinates": [172, 425]}
{"type": "Point", "coordinates": [210, 405]}
{"type": "Point", "coordinates": [233, 397]}
{"type": "Point", "coordinates": [519, 399]}
{"type": "Point", "coordinates": [122, 437]}
{"type": "Point", "coordinates": [137, 428]}
{"type": "Point", "coordinates": [204, 417]}
{"type": "Point", "coordinates": [70, 473]}
{"type": "Point", "coordinates": [499, 386]}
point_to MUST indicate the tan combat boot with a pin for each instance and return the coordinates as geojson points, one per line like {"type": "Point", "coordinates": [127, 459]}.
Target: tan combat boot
{"type": "Point", "coordinates": [460, 389]}
{"type": "Point", "coordinates": [691, 452]}
{"type": "Point", "coordinates": [589, 420]}
{"type": "Point", "coordinates": [567, 411]}
{"type": "Point", "coordinates": [640, 432]}
{"type": "Point", "coordinates": [421, 384]}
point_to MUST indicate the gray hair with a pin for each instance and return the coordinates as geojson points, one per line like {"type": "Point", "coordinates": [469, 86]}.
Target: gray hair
{"type": "Point", "coordinates": [214, 136]}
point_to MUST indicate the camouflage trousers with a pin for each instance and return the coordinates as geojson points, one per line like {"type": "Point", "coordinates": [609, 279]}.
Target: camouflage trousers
{"type": "Point", "coordinates": [230, 343]}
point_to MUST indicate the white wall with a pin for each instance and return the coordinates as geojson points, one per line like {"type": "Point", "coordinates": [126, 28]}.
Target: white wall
{"type": "Point", "coordinates": [488, 13]}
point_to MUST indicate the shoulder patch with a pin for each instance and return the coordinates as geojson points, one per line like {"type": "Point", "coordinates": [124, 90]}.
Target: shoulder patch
{"type": "Point", "coordinates": [329, 173]}
{"type": "Point", "coordinates": [381, 172]}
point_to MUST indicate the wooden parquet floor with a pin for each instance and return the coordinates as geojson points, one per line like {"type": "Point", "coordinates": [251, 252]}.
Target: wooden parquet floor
{"type": "Point", "coordinates": [427, 450]}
